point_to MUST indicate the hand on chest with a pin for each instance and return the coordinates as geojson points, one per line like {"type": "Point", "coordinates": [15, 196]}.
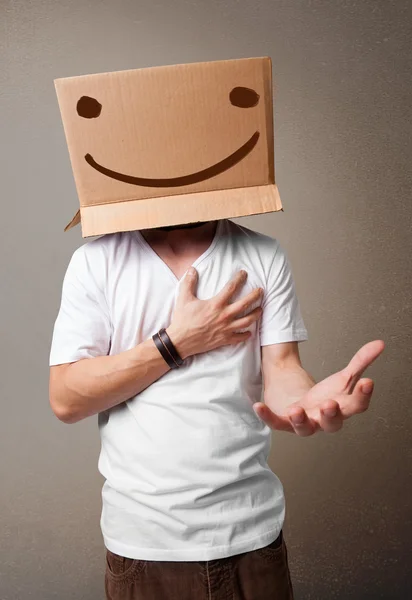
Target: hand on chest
{"type": "Point", "coordinates": [145, 303]}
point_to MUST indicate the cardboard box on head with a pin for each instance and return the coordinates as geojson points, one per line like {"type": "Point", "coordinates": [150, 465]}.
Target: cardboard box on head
{"type": "Point", "coordinates": [170, 145]}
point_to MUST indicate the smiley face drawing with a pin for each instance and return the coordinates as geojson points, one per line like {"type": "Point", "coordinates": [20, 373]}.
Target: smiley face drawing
{"type": "Point", "coordinates": [176, 131]}
{"type": "Point", "coordinates": [243, 97]}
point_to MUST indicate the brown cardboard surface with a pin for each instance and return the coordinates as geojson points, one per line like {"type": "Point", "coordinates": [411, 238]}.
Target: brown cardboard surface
{"type": "Point", "coordinates": [169, 145]}
{"type": "Point", "coordinates": [157, 212]}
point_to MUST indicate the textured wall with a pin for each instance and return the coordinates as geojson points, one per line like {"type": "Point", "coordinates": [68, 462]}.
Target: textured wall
{"type": "Point", "coordinates": [342, 72]}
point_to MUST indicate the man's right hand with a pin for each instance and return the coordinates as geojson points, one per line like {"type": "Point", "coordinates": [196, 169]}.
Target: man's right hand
{"type": "Point", "coordinates": [201, 325]}
{"type": "Point", "coordinates": [90, 385]}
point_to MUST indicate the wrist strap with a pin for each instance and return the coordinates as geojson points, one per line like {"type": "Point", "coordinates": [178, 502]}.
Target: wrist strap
{"type": "Point", "coordinates": [170, 347]}
{"type": "Point", "coordinates": [163, 351]}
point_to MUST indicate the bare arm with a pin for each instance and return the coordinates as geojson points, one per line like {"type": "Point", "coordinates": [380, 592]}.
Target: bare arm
{"type": "Point", "coordinates": [285, 379]}
{"type": "Point", "coordinates": [294, 402]}
{"type": "Point", "coordinates": [80, 389]}
{"type": "Point", "coordinates": [86, 387]}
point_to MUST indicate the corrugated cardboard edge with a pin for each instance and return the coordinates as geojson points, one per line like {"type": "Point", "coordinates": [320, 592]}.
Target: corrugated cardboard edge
{"type": "Point", "coordinates": [174, 210]}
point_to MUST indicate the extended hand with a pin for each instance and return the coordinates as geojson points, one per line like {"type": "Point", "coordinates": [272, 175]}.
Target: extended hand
{"type": "Point", "coordinates": [329, 402]}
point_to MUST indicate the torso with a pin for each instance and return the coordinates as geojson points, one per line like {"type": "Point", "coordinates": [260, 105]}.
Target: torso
{"type": "Point", "coordinates": [185, 460]}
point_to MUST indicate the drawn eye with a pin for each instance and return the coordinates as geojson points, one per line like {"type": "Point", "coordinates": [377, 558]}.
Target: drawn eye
{"type": "Point", "coordinates": [89, 108]}
{"type": "Point", "coordinates": [243, 97]}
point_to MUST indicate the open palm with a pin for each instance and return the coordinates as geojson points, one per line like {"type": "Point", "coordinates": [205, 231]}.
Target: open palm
{"type": "Point", "coordinates": [326, 405]}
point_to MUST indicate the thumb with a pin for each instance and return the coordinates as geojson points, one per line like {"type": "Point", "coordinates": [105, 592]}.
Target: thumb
{"type": "Point", "coordinates": [188, 285]}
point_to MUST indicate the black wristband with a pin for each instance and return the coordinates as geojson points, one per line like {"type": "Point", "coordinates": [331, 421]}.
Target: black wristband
{"type": "Point", "coordinates": [163, 351]}
{"type": "Point", "coordinates": [170, 346]}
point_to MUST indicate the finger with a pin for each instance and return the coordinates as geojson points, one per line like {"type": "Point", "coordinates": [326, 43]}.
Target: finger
{"type": "Point", "coordinates": [361, 361]}
{"type": "Point", "coordinates": [271, 419]}
{"type": "Point", "coordinates": [231, 287]}
{"type": "Point", "coordinates": [357, 402]}
{"type": "Point", "coordinates": [236, 338]}
{"type": "Point", "coordinates": [188, 285]}
{"type": "Point", "coordinates": [248, 320]}
{"type": "Point", "coordinates": [243, 304]}
{"type": "Point", "coordinates": [302, 425]}
{"type": "Point", "coordinates": [331, 418]}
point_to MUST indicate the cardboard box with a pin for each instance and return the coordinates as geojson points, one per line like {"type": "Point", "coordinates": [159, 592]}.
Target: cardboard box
{"type": "Point", "coordinates": [170, 145]}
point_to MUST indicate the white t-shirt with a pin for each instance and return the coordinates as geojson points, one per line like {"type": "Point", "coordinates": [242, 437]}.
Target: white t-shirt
{"type": "Point", "coordinates": [184, 461]}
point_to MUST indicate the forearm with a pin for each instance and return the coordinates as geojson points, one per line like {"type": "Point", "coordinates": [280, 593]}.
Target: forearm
{"type": "Point", "coordinates": [92, 385]}
{"type": "Point", "coordinates": [289, 385]}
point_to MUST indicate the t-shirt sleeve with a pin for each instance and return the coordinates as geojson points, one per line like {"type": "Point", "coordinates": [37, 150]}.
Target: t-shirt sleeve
{"type": "Point", "coordinates": [82, 328]}
{"type": "Point", "coordinates": [281, 320]}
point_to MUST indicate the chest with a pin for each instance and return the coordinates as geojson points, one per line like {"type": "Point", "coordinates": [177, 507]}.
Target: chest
{"type": "Point", "coordinates": [142, 293]}
{"type": "Point", "coordinates": [177, 265]}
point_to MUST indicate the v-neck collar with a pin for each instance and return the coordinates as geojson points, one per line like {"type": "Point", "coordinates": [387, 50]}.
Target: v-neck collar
{"type": "Point", "coordinates": [147, 247]}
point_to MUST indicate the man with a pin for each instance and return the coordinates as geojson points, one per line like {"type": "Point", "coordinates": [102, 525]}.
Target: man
{"type": "Point", "coordinates": [166, 334]}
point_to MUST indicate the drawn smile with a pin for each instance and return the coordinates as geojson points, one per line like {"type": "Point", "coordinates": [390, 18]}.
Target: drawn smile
{"type": "Point", "coordinates": [212, 171]}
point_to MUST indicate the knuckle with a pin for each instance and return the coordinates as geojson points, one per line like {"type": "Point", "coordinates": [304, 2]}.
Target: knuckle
{"type": "Point", "coordinates": [214, 307]}
{"type": "Point", "coordinates": [215, 302]}
{"type": "Point", "coordinates": [223, 315]}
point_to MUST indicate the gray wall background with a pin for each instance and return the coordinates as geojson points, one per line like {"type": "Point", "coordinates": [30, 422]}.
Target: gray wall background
{"type": "Point", "coordinates": [343, 145]}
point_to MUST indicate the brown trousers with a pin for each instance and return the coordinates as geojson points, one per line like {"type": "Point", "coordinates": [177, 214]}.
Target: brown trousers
{"type": "Point", "coordinates": [257, 575]}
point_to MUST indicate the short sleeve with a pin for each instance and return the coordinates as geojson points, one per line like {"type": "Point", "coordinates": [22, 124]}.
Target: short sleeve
{"type": "Point", "coordinates": [82, 328]}
{"type": "Point", "coordinates": [281, 319]}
